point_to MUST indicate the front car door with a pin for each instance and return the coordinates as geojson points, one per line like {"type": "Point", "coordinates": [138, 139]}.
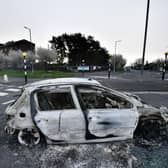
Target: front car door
{"type": "Point", "coordinates": [107, 114]}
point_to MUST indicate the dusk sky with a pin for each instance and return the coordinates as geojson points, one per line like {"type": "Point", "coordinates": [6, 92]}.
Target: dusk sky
{"type": "Point", "coordinates": [106, 20]}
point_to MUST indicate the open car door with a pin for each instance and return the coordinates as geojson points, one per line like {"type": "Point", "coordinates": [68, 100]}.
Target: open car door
{"type": "Point", "coordinates": [107, 114]}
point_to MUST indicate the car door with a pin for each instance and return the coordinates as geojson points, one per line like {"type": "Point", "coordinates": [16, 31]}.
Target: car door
{"type": "Point", "coordinates": [72, 125]}
{"type": "Point", "coordinates": [57, 112]}
{"type": "Point", "coordinates": [108, 114]}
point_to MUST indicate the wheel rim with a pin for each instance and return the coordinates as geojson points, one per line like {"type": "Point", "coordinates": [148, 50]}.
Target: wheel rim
{"type": "Point", "coordinates": [28, 137]}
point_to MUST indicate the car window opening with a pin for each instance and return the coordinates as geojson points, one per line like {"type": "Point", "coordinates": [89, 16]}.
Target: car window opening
{"type": "Point", "coordinates": [95, 99]}
{"type": "Point", "coordinates": [55, 100]}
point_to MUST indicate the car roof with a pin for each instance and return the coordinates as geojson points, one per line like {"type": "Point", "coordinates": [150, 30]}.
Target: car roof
{"type": "Point", "coordinates": [58, 81]}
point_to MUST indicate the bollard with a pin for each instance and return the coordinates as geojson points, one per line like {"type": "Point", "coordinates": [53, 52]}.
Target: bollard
{"type": "Point", "coordinates": [5, 77]}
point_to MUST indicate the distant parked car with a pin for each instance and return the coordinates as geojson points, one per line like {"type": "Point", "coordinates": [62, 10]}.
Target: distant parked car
{"type": "Point", "coordinates": [75, 110]}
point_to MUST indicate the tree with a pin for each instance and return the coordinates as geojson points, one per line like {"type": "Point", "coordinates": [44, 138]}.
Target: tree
{"type": "Point", "coordinates": [45, 55]}
{"type": "Point", "coordinates": [155, 65]}
{"type": "Point", "coordinates": [137, 64]}
{"type": "Point", "coordinates": [119, 61]}
{"type": "Point", "coordinates": [76, 47]}
{"type": "Point", "coordinates": [14, 59]}
{"type": "Point", "coordinates": [2, 60]}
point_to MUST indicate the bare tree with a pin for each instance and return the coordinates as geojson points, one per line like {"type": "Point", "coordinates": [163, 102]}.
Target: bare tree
{"type": "Point", "coordinates": [2, 60]}
{"type": "Point", "coordinates": [119, 61]}
{"type": "Point", "coordinates": [45, 55]}
{"type": "Point", "coordinates": [138, 61]}
{"type": "Point", "coordinates": [14, 59]}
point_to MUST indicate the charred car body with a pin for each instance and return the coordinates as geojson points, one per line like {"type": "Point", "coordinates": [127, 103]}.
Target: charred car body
{"type": "Point", "coordinates": [75, 110]}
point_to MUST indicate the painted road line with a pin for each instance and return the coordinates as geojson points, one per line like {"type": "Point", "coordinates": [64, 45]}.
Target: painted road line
{"type": "Point", "coordinates": [105, 77]}
{"type": "Point", "coordinates": [8, 102]}
{"type": "Point", "coordinates": [12, 90]}
{"type": "Point", "coordinates": [150, 92]}
{"type": "Point", "coordinates": [3, 94]}
{"type": "Point", "coordinates": [20, 87]}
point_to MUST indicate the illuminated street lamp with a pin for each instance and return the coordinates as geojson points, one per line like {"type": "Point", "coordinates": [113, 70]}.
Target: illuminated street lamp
{"type": "Point", "coordinates": [115, 51]}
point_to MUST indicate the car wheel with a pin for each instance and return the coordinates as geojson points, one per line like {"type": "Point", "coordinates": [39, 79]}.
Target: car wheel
{"type": "Point", "coordinates": [151, 129]}
{"type": "Point", "coordinates": [28, 137]}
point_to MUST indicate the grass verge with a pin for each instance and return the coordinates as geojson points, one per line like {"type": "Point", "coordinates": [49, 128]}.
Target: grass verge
{"type": "Point", "coordinates": [36, 74]}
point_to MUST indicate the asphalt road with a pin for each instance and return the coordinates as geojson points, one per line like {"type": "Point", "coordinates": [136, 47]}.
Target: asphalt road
{"type": "Point", "coordinates": [149, 87]}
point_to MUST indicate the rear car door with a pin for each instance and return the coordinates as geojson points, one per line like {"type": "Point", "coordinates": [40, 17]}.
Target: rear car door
{"type": "Point", "coordinates": [57, 113]}
{"type": "Point", "coordinates": [107, 114]}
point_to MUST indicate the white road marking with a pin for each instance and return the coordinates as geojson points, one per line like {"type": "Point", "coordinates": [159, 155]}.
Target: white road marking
{"type": "Point", "coordinates": [3, 94]}
{"type": "Point", "coordinates": [8, 102]}
{"type": "Point", "coordinates": [150, 92]}
{"type": "Point", "coordinates": [20, 87]}
{"type": "Point", "coordinates": [105, 77]}
{"type": "Point", "coordinates": [12, 90]}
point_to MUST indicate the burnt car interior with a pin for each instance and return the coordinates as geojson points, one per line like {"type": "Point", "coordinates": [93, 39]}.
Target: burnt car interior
{"type": "Point", "coordinates": [55, 99]}
{"type": "Point", "coordinates": [95, 98]}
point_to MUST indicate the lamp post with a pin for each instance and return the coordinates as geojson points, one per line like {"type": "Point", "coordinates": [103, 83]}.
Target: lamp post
{"type": "Point", "coordinates": [29, 29]}
{"type": "Point", "coordinates": [115, 51]}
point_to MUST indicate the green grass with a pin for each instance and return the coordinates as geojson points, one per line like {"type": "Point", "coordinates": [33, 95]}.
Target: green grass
{"type": "Point", "coordinates": [36, 74]}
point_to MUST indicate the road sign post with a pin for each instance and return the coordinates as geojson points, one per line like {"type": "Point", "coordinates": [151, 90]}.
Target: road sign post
{"type": "Point", "coordinates": [164, 66]}
{"type": "Point", "coordinates": [24, 54]}
{"type": "Point", "coordinates": [109, 70]}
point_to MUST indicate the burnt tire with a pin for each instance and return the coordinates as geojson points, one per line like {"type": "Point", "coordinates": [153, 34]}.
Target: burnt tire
{"type": "Point", "coordinates": [28, 138]}
{"type": "Point", "coordinates": [153, 129]}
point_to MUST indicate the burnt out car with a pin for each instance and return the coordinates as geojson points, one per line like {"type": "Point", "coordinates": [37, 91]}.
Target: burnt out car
{"type": "Point", "coordinates": [76, 110]}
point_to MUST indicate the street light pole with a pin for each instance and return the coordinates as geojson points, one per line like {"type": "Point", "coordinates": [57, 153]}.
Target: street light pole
{"type": "Point", "coordinates": [145, 36]}
{"type": "Point", "coordinates": [29, 29]}
{"type": "Point", "coordinates": [115, 51]}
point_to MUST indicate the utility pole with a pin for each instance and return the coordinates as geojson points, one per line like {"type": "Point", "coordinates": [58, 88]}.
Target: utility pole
{"type": "Point", "coordinates": [145, 36]}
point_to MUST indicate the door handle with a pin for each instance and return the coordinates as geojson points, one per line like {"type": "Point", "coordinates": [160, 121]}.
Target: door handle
{"type": "Point", "coordinates": [38, 121]}
{"type": "Point", "coordinates": [96, 117]}
{"type": "Point", "coordinates": [89, 118]}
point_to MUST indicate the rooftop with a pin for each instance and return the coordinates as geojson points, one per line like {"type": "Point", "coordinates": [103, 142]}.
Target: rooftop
{"type": "Point", "coordinates": [62, 81]}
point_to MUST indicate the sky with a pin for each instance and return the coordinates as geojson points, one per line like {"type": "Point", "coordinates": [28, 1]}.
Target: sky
{"type": "Point", "coordinates": [106, 20]}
